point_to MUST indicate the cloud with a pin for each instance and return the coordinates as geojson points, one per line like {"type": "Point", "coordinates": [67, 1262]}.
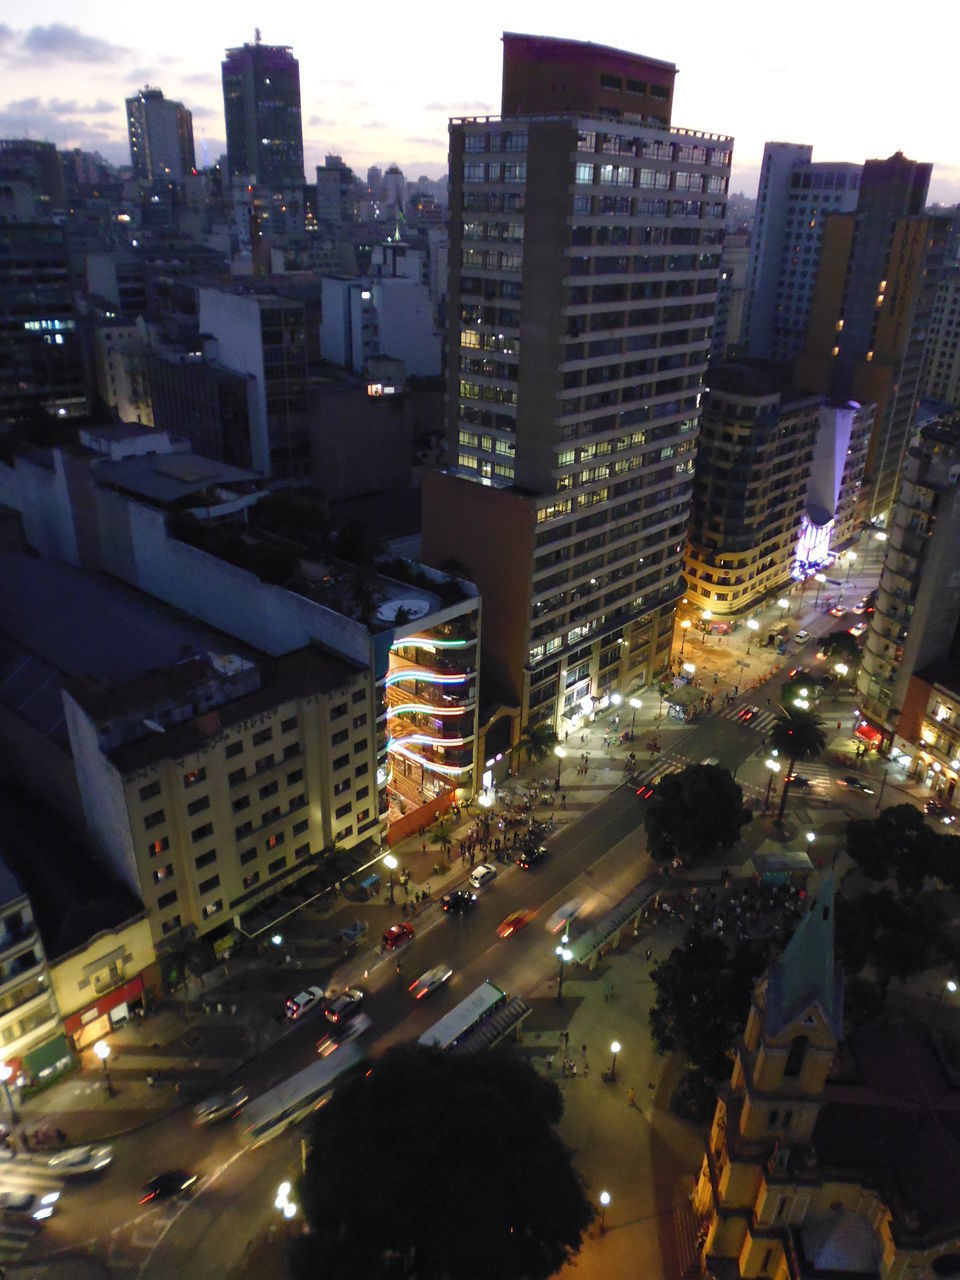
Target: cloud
{"type": "Point", "coordinates": [70, 107]}
{"type": "Point", "coordinates": [373, 124]}
{"type": "Point", "coordinates": [69, 44]}
{"type": "Point", "coordinates": [428, 142]}
{"type": "Point", "coordinates": [64, 122]}
{"type": "Point", "coordinates": [321, 122]}
{"type": "Point", "coordinates": [140, 75]}
{"type": "Point", "coordinates": [205, 79]}
{"type": "Point", "coordinates": [6, 33]}
{"type": "Point", "coordinates": [461, 108]}
{"type": "Point", "coordinates": [202, 113]}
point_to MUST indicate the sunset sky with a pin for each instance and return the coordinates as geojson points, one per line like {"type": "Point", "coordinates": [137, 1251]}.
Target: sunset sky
{"type": "Point", "coordinates": [856, 80]}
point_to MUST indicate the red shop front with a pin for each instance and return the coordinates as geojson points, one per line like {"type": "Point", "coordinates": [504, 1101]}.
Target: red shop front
{"type": "Point", "coordinates": [96, 1021]}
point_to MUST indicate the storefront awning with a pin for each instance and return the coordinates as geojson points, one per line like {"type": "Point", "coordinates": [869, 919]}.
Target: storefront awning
{"type": "Point", "coordinates": [869, 733]}
{"type": "Point", "coordinates": [47, 1055]}
{"type": "Point", "coordinates": [124, 994]}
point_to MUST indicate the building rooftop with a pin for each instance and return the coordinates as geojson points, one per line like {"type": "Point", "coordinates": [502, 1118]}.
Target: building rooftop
{"type": "Point", "coordinates": [178, 479]}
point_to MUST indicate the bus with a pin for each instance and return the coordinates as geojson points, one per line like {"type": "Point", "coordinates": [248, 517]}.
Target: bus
{"type": "Point", "coordinates": [288, 1102]}
{"type": "Point", "coordinates": [466, 1017]}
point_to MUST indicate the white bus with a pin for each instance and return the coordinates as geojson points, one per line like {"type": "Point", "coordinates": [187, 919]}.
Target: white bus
{"type": "Point", "coordinates": [466, 1017]}
{"type": "Point", "coordinates": [296, 1097]}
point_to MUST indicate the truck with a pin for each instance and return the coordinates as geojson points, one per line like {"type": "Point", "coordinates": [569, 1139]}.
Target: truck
{"type": "Point", "coordinates": [352, 934]}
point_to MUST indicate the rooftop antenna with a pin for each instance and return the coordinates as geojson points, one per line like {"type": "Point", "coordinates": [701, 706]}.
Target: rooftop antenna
{"type": "Point", "coordinates": [256, 35]}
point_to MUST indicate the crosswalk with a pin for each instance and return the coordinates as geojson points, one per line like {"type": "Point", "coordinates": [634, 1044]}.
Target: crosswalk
{"type": "Point", "coordinates": [23, 1174]}
{"type": "Point", "coordinates": [658, 769]}
{"type": "Point", "coordinates": [762, 722]}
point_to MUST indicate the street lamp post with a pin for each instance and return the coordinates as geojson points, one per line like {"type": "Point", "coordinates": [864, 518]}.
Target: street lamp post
{"type": "Point", "coordinates": [753, 626]}
{"type": "Point", "coordinates": [851, 561]}
{"type": "Point", "coordinates": [635, 704]}
{"type": "Point", "coordinates": [819, 579]}
{"type": "Point", "coordinates": [614, 1049]}
{"type": "Point", "coordinates": [559, 753]}
{"type": "Point", "coordinates": [684, 627]}
{"type": "Point", "coordinates": [564, 956]}
{"type": "Point", "coordinates": [774, 767]}
{"type": "Point", "coordinates": [102, 1050]}
{"type": "Point", "coordinates": [390, 862]}
{"type": "Point", "coordinates": [5, 1074]}
{"type": "Point", "coordinates": [705, 619]}
{"type": "Point", "coordinates": [784, 604]}
{"type": "Point", "coordinates": [604, 1201]}
{"type": "Point", "coordinates": [949, 986]}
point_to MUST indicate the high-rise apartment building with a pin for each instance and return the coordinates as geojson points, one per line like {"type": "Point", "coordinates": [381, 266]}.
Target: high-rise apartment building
{"type": "Point", "coordinates": [918, 602]}
{"type": "Point", "coordinates": [871, 306]}
{"type": "Point", "coordinates": [756, 448]}
{"type": "Point", "coordinates": [585, 239]}
{"type": "Point", "coordinates": [161, 137]}
{"type": "Point", "coordinates": [728, 331]}
{"type": "Point", "coordinates": [794, 198]}
{"type": "Point", "coordinates": [261, 103]}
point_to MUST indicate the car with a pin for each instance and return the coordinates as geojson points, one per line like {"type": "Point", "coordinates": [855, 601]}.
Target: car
{"type": "Point", "coordinates": [459, 902]}
{"type": "Point", "coordinates": [858, 630]}
{"type": "Point", "coordinates": [342, 1033]}
{"type": "Point", "coordinates": [482, 875]}
{"type": "Point", "coordinates": [531, 858]}
{"type": "Point", "coordinates": [797, 780]}
{"type": "Point", "coordinates": [855, 784]}
{"type": "Point", "coordinates": [802, 635]}
{"type": "Point", "coordinates": [821, 655]}
{"type": "Point", "coordinates": [351, 933]}
{"type": "Point", "coordinates": [710, 760]}
{"type": "Point", "coordinates": [563, 916]}
{"type": "Point", "coordinates": [644, 791]}
{"type": "Point", "coordinates": [936, 807]}
{"type": "Point", "coordinates": [859, 608]}
{"type": "Point", "coordinates": [221, 1106]}
{"type": "Point", "coordinates": [397, 935]}
{"type": "Point", "coordinates": [837, 611]}
{"type": "Point", "coordinates": [296, 1006]}
{"type": "Point", "coordinates": [28, 1204]}
{"type": "Point", "coordinates": [79, 1160]}
{"type": "Point", "coordinates": [430, 981]}
{"type": "Point", "coordinates": [746, 714]}
{"type": "Point", "coordinates": [344, 1007]}
{"type": "Point", "coordinates": [514, 921]}
{"type": "Point", "coordinates": [166, 1185]}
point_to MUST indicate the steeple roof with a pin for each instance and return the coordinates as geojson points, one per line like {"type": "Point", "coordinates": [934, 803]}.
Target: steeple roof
{"type": "Point", "coordinates": [805, 974]}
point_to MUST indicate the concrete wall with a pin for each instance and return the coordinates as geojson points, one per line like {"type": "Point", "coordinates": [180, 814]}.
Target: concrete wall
{"type": "Point", "coordinates": [41, 494]}
{"type": "Point", "coordinates": [235, 322]}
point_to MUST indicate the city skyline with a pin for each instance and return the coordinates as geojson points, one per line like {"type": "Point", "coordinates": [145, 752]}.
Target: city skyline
{"type": "Point", "coordinates": [828, 83]}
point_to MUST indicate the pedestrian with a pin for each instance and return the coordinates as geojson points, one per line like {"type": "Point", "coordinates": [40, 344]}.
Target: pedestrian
{"type": "Point", "coordinates": [586, 1068]}
{"type": "Point", "coordinates": [647, 954]}
{"type": "Point", "coordinates": [550, 1062]}
{"type": "Point", "coordinates": [583, 1050]}
{"type": "Point", "coordinates": [631, 1098]}
{"type": "Point", "coordinates": [839, 725]}
{"type": "Point", "coordinates": [24, 1140]}
{"type": "Point", "coordinates": [563, 801]}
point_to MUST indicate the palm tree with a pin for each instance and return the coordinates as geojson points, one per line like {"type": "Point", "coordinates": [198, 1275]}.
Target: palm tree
{"type": "Point", "coordinates": [797, 735]}
{"type": "Point", "coordinates": [537, 740]}
{"type": "Point", "coordinates": [442, 832]}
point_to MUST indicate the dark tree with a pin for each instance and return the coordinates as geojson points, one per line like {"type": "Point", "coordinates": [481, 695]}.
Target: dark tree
{"type": "Point", "coordinates": [900, 843]}
{"type": "Point", "coordinates": [797, 735]}
{"type": "Point", "coordinates": [692, 812]}
{"type": "Point", "coordinates": [898, 937]}
{"type": "Point", "coordinates": [841, 645]}
{"type": "Point", "coordinates": [703, 997]}
{"type": "Point", "coordinates": [440, 1168]}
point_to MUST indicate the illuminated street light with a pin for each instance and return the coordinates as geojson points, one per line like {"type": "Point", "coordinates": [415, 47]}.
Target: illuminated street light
{"type": "Point", "coordinates": [604, 1201]}
{"type": "Point", "coordinates": [851, 560]}
{"type": "Point", "coordinates": [774, 767]}
{"type": "Point", "coordinates": [390, 862]}
{"type": "Point", "coordinates": [616, 699]}
{"type": "Point", "coordinates": [614, 1049]}
{"type": "Point", "coordinates": [784, 604]}
{"type": "Point", "coordinates": [564, 956]}
{"type": "Point", "coordinates": [948, 988]}
{"type": "Point", "coordinates": [102, 1050]}
{"type": "Point", "coordinates": [684, 627]}
{"type": "Point", "coordinates": [811, 836]}
{"type": "Point", "coordinates": [841, 669]}
{"type": "Point", "coordinates": [689, 668]}
{"type": "Point", "coordinates": [705, 623]}
{"type": "Point", "coordinates": [753, 626]}
{"type": "Point", "coordinates": [636, 704]}
{"type": "Point", "coordinates": [802, 703]}
{"type": "Point", "coordinates": [559, 753]}
{"type": "Point", "coordinates": [819, 579]}
{"type": "Point", "coordinates": [880, 536]}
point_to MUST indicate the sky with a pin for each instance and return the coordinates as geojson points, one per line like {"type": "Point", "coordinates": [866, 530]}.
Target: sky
{"type": "Point", "coordinates": [856, 79]}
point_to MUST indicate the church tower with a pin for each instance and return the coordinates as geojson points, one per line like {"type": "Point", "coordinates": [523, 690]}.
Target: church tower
{"type": "Point", "coordinates": [751, 1185]}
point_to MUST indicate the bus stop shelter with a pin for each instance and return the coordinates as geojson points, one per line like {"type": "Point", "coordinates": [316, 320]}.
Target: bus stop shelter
{"type": "Point", "coordinates": [605, 935]}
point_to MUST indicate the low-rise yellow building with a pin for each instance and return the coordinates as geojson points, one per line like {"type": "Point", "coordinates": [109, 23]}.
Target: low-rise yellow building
{"type": "Point", "coordinates": [105, 980]}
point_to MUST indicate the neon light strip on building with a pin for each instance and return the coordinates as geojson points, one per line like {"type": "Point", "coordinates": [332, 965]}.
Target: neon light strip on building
{"type": "Point", "coordinates": [418, 673]}
{"type": "Point", "coordinates": [425, 739]}
{"type": "Point", "coordinates": [428, 642]}
{"type": "Point", "coordinates": [450, 770]}
{"type": "Point", "coordinates": [425, 709]}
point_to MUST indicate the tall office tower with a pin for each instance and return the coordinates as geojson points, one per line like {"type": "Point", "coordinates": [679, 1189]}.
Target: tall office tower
{"type": "Point", "coordinates": [261, 104]}
{"type": "Point", "coordinates": [161, 136]}
{"type": "Point", "coordinates": [757, 441]}
{"type": "Point", "coordinates": [794, 197]}
{"type": "Point", "coordinates": [41, 362]}
{"type": "Point", "coordinates": [876, 283]}
{"type": "Point", "coordinates": [942, 359]}
{"type": "Point", "coordinates": [585, 239]}
{"type": "Point", "coordinates": [728, 331]}
{"type": "Point", "coordinates": [918, 602]}
{"type": "Point", "coordinates": [39, 166]}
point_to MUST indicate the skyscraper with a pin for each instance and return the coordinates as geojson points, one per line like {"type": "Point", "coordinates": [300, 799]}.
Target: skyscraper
{"type": "Point", "coordinates": [261, 103]}
{"type": "Point", "coordinates": [161, 136]}
{"type": "Point", "coordinates": [870, 309]}
{"type": "Point", "coordinates": [585, 239]}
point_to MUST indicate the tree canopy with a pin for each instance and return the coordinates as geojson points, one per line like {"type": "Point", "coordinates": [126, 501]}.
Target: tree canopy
{"type": "Point", "coordinates": [440, 1168]}
{"type": "Point", "coordinates": [901, 844]}
{"type": "Point", "coordinates": [692, 812]}
{"type": "Point", "coordinates": [841, 645]}
{"type": "Point", "coordinates": [703, 998]}
{"type": "Point", "coordinates": [898, 937]}
{"type": "Point", "coordinates": [797, 735]}
{"type": "Point", "coordinates": [537, 740]}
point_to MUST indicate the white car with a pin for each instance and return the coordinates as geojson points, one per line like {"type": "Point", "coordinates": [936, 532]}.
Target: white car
{"type": "Point", "coordinates": [220, 1106]}
{"type": "Point", "coordinates": [28, 1204]}
{"type": "Point", "coordinates": [801, 636]}
{"type": "Point", "coordinates": [858, 630]}
{"type": "Point", "coordinates": [430, 981]}
{"type": "Point", "coordinates": [482, 875]}
{"type": "Point", "coordinates": [78, 1160]}
{"type": "Point", "coordinates": [562, 918]}
{"type": "Point", "coordinates": [299, 1004]}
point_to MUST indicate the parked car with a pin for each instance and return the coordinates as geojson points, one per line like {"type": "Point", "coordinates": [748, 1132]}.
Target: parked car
{"type": "Point", "coordinates": [220, 1106]}
{"type": "Point", "coordinates": [172, 1182]}
{"type": "Point", "coordinates": [298, 1005]}
{"type": "Point", "coordinates": [482, 875]}
{"type": "Point", "coordinates": [79, 1160]}
{"type": "Point", "coordinates": [802, 635]}
{"type": "Point", "coordinates": [459, 902]}
{"type": "Point", "coordinates": [351, 933]}
{"type": "Point", "coordinates": [344, 1007]}
{"type": "Point", "coordinates": [430, 981]}
{"type": "Point", "coordinates": [397, 935]}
